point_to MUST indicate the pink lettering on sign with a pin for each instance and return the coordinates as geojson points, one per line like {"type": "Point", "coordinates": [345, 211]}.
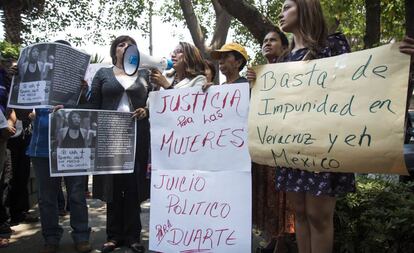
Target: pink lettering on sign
{"type": "Point", "coordinates": [183, 121]}
{"type": "Point", "coordinates": [196, 239]}
{"type": "Point", "coordinates": [199, 101]}
{"type": "Point", "coordinates": [181, 184]}
{"type": "Point", "coordinates": [208, 140]}
{"type": "Point", "coordinates": [214, 209]}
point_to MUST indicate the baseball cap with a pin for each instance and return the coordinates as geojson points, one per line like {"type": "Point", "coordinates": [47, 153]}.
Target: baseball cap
{"type": "Point", "coordinates": [215, 55]}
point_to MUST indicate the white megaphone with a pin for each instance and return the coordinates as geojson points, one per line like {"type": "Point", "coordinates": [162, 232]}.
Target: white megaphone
{"type": "Point", "coordinates": [133, 60]}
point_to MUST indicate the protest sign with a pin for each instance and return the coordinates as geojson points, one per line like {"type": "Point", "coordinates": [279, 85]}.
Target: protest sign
{"type": "Point", "coordinates": [49, 74]}
{"type": "Point", "coordinates": [343, 113]}
{"type": "Point", "coordinates": [191, 126]}
{"type": "Point", "coordinates": [90, 142]}
{"type": "Point", "coordinates": [201, 180]}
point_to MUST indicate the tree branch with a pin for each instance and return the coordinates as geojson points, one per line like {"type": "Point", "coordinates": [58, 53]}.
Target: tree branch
{"type": "Point", "coordinates": [249, 16]}
{"type": "Point", "coordinates": [193, 24]}
{"type": "Point", "coordinates": [223, 20]}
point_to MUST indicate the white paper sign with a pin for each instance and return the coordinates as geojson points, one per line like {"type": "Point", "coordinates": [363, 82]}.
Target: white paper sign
{"type": "Point", "coordinates": [192, 129]}
{"type": "Point", "coordinates": [73, 158]}
{"type": "Point", "coordinates": [201, 180]}
{"type": "Point", "coordinates": [32, 92]}
{"type": "Point", "coordinates": [199, 211]}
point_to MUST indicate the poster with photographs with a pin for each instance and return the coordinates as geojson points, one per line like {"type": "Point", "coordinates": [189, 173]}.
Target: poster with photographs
{"type": "Point", "coordinates": [49, 74]}
{"type": "Point", "coordinates": [91, 142]}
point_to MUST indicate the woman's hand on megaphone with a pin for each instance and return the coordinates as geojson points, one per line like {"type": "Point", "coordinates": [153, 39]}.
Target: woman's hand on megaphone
{"type": "Point", "coordinates": [157, 78]}
{"type": "Point", "coordinates": [140, 113]}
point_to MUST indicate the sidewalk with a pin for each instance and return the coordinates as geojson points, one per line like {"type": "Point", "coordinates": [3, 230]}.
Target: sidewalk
{"type": "Point", "coordinates": [27, 238]}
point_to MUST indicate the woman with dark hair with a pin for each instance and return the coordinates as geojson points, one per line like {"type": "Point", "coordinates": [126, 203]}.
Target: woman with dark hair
{"type": "Point", "coordinates": [113, 89]}
{"type": "Point", "coordinates": [210, 71]}
{"type": "Point", "coordinates": [72, 136]}
{"type": "Point", "coordinates": [32, 69]}
{"type": "Point", "coordinates": [271, 212]}
{"type": "Point", "coordinates": [189, 69]}
{"type": "Point", "coordinates": [312, 194]}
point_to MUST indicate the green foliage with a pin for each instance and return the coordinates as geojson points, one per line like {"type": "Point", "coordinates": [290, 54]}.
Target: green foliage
{"type": "Point", "coordinates": [96, 58]}
{"type": "Point", "coordinates": [378, 218]}
{"type": "Point", "coordinates": [351, 17]}
{"type": "Point", "coordinates": [9, 51]}
{"type": "Point", "coordinates": [171, 12]}
{"type": "Point", "coordinates": [94, 21]}
{"type": "Point", "coordinates": [269, 9]}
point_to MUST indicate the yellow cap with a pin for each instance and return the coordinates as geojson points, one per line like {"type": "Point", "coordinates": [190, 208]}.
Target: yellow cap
{"type": "Point", "coordinates": [215, 55]}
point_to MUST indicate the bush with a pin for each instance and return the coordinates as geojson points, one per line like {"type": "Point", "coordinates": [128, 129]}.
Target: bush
{"type": "Point", "coordinates": [378, 218]}
{"type": "Point", "coordinates": [8, 50]}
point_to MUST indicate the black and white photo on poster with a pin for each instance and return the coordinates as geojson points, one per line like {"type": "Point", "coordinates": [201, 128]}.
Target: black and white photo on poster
{"type": "Point", "coordinates": [49, 74]}
{"type": "Point", "coordinates": [91, 142]}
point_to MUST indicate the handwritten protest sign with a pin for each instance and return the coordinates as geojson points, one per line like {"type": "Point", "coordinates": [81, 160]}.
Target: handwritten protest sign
{"type": "Point", "coordinates": [73, 158]}
{"type": "Point", "coordinates": [343, 113]}
{"type": "Point", "coordinates": [201, 181]}
{"type": "Point", "coordinates": [32, 92]}
{"type": "Point", "coordinates": [191, 126]}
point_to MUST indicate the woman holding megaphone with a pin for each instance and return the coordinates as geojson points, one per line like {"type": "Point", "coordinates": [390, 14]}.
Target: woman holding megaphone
{"type": "Point", "coordinates": [113, 89]}
{"type": "Point", "coordinates": [189, 69]}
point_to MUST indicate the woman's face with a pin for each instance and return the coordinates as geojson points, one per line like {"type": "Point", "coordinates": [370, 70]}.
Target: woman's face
{"type": "Point", "coordinates": [177, 57]}
{"type": "Point", "coordinates": [272, 45]}
{"type": "Point", "coordinates": [34, 54]}
{"type": "Point", "coordinates": [288, 18]}
{"type": "Point", "coordinates": [76, 119]}
{"type": "Point", "coordinates": [120, 49]}
{"type": "Point", "coordinates": [228, 64]}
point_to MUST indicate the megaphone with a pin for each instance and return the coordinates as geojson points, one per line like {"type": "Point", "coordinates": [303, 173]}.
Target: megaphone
{"type": "Point", "coordinates": [133, 60]}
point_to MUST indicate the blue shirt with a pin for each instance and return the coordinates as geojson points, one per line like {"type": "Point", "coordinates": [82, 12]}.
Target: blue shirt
{"type": "Point", "coordinates": [39, 144]}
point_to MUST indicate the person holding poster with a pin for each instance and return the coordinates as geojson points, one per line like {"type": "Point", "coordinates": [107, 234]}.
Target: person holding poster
{"type": "Point", "coordinates": [232, 58]}
{"type": "Point", "coordinates": [312, 195]}
{"type": "Point", "coordinates": [189, 69]}
{"type": "Point", "coordinates": [113, 89]}
{"type": "Point", "coordinates": [271, 212]}
{"type": "Point", "coordinates": [48, 188]}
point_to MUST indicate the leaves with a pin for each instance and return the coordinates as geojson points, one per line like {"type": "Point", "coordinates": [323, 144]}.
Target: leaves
{"type": "Point", "coordinates": [9, 51]}
{"type": "Point", "coordinates": [95, 21]}
{"type": "Point", "coordinates": [379, 218]}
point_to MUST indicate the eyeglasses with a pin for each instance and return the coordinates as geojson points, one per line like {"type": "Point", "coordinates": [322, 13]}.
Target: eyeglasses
{"type": "Point", "coordinates": [177, 51]}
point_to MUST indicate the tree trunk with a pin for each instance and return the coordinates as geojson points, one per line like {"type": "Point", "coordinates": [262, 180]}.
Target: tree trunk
{"type": "Point", "coordinates": [373, 25]}
{"type": "Point", "coordinates": [409, 18]}
{"type": "Point", "coordinates": [249, 16]}
{"type": "Point", "coordinates": [222, 26]}
{"type": "Point", "coordinates": [13, 25]}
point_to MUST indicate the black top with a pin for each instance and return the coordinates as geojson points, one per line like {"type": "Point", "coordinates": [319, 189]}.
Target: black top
{"type": "Point", "coordinates": [68, 142]}
{"type": "Point", "coordinates": [32, 76]}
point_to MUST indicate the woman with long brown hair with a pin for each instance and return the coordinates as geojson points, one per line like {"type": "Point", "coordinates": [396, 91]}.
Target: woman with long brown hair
{"type": "Point", "coordinates": [311, 194]}
{"type": "Point", "coordinates": [189, 69]}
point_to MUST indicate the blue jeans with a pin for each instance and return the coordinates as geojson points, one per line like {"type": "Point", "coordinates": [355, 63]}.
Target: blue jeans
{"type": "Point", "coordinates": [48, 189]}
